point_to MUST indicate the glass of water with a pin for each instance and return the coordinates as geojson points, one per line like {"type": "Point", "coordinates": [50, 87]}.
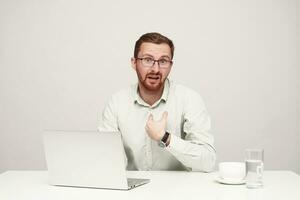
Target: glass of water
{"type": "Point", "coordinates": [254, 168]}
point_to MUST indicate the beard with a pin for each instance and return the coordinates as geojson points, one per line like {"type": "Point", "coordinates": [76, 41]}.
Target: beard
{"type": "Point", "coordinates": [152, 81]}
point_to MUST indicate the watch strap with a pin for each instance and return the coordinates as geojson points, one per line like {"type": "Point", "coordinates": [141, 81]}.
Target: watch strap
{"type": "Point", "coordinates": [165, 137]}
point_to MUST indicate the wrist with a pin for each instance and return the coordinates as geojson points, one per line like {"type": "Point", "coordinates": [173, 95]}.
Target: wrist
{"type": "Point", "coordinates": [161, 136]}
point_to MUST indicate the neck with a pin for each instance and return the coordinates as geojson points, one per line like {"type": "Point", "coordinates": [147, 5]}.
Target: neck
{"type": "Point", "coordinates": [150, 97]}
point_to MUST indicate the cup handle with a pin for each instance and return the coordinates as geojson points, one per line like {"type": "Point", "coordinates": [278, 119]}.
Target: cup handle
{"type": "Point", "coordinates": [259, 170]}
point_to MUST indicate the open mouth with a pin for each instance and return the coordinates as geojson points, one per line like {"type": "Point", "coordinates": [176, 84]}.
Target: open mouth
{"type": "Point", "coordinates": [153, 77]}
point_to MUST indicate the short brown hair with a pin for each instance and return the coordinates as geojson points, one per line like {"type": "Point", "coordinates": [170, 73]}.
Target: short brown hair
{"type": "Point", "coordinates": [155, 38]}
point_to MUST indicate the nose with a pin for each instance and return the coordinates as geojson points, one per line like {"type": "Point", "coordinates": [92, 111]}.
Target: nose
{"type": "Point", "coordinates": [155, 67]}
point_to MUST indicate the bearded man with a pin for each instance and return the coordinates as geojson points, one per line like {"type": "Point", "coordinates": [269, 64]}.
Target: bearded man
{"type": "Point", "coordinates": [164, 125]}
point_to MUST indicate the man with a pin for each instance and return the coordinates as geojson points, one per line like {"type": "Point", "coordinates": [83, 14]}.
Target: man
{"type": "Point", "coordinates": [164, 125]}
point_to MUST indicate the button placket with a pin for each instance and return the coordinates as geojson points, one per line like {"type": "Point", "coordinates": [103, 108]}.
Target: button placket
{"type": "Point", "coordinates": [148, 146]}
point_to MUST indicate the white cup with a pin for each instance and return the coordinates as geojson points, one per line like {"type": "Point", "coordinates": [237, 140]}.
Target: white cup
{"type": "Point", "coordinates": [232, 171]}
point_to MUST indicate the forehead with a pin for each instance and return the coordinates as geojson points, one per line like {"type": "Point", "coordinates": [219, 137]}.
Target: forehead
{"type": "Point", "coordinates": [155, 50]}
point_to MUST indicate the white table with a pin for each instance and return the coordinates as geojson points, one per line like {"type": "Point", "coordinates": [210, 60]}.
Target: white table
{"type": "Point", "coordinates": [32, 185]}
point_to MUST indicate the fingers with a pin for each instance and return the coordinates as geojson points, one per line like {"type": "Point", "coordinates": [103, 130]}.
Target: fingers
{"type": "Point", "coordinates": [164, 116]}
{"type": "Point", "coordinates": [150, 118]}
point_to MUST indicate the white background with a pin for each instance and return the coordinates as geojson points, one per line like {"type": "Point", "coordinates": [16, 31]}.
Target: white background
{"type": "Point", "coordinates": [61, 60]}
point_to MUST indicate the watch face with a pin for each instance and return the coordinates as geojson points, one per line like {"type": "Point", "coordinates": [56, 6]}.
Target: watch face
{"type": "Point", "coordinates": [161, 144]}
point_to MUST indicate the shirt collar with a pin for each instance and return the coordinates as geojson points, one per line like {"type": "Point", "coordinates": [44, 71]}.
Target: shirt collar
{"type": "Point", "coordinates": [164, 96]}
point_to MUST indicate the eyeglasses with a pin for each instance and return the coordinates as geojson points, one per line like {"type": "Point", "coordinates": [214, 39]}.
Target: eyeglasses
{"type": "Point", "coordinates": [150, 62]}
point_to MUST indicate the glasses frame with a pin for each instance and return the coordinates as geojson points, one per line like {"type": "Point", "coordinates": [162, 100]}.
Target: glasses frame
{"type": "Point", "coordinates": [154, 61]}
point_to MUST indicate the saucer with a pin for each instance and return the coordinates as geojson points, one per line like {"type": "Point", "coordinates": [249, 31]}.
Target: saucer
{"type": "Point", "coordinates": [229, 182]}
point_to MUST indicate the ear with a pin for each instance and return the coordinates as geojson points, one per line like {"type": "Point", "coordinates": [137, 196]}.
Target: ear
{"type": "Point", "coordinates": [171, 65]}
{"type": "Point", "coordinates": [133, 63]}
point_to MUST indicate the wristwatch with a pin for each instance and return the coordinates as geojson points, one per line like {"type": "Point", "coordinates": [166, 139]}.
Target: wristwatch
{"type": "Point", "coordinates": [163, 142]}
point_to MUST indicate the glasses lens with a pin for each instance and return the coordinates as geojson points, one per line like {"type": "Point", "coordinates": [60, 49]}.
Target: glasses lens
{"type": "Point", "coordinates": [147, 62]}
{"type": "Point", "coordinates": [164, 63]}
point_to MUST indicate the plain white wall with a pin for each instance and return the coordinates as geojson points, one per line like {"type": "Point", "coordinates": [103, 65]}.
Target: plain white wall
{"type": "Point", "coordinates": [61, 60]}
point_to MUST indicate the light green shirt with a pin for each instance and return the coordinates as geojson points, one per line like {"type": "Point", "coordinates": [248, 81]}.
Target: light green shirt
{"type": "Point", "coordinates": [191, 145]}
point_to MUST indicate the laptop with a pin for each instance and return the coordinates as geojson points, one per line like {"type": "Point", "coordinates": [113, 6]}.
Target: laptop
{"type": "Point", "coordinates": [87, 159]}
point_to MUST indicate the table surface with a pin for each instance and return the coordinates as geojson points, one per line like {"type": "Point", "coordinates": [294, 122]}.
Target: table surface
{"type": "Point", "coordinates": [173, 185]}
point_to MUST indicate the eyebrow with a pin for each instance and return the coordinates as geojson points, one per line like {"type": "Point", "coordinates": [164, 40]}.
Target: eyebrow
{"type": "Point", "coordinates": [164, 56]}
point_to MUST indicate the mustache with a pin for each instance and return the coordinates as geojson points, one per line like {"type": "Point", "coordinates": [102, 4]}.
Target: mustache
{"type": "Point", "coordinates": [154, 74]}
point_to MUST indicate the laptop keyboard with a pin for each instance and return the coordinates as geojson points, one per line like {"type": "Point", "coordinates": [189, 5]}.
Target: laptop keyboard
{"type": "Point", "coordinates": [133, 181]}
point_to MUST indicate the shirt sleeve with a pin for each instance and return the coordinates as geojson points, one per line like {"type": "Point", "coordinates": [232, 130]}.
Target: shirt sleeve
{"type": "Point", "coordinates": [108, 119]}
{"type": "Point", "coordinates": [194, 149]}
